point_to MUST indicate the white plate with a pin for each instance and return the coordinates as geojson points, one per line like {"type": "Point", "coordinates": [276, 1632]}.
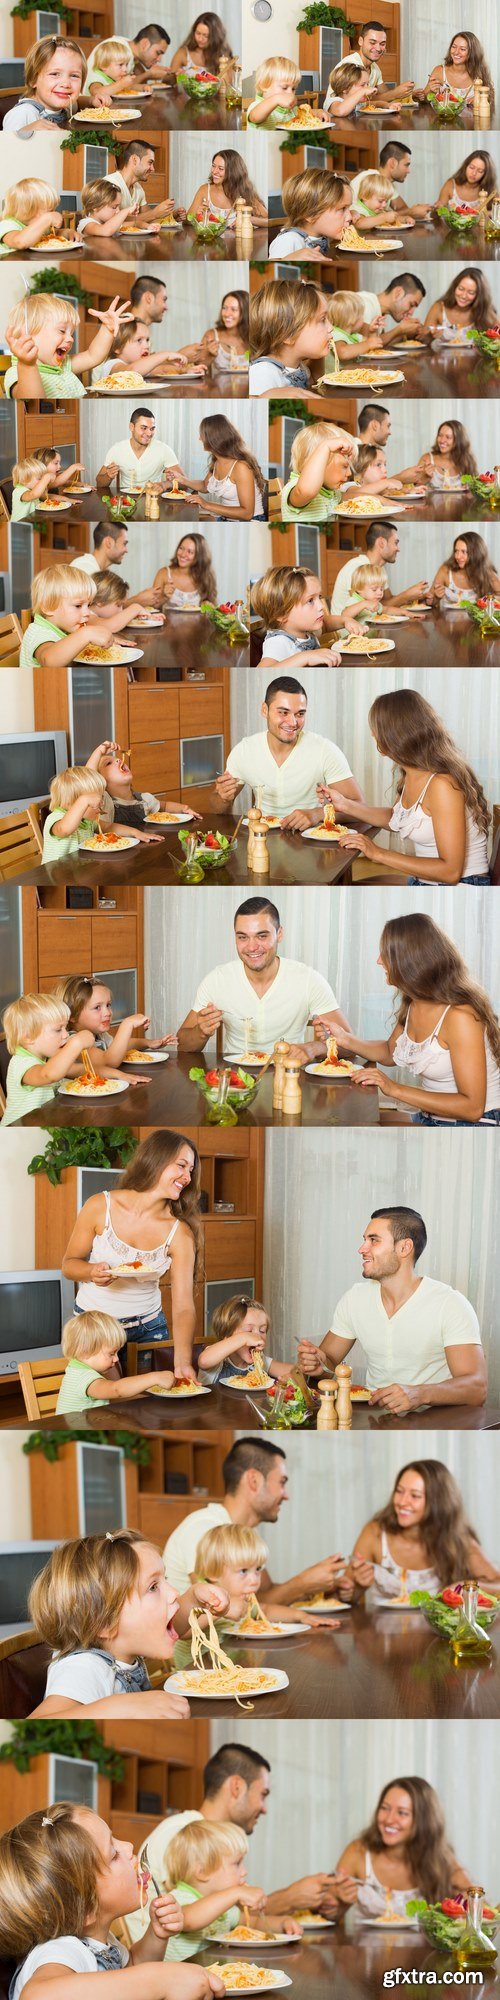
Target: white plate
{"type": "Point", "coordinates": [379, 249]}
{"type": "Point", "coordinates": [388, 1923]}
{"type": "Point", "coordinates": [396, 619]}
{"type": "Point", "coordinates": [330, 1076]}
{"type": "Point", "coordinates": [358, 652]}
{"type": "Point", "coordinates": [344, 513]}
{"type": "Point", "coordinates": [325, 125]}
{"type": "Point", "coordinates": [112, 117]}
{"type": "Point", "coordinates": [246, 1062]}
{"type": "Point", "coordinates": [328, 1610]}
{"type": "Point", "coordinates": [393, 1604]}
{"type": "Point", "coordinates": [284, 1632]}
{"type": "Point", "coordinates": [270, 828]}
{"type": "Point", "coordinates": [119, 1084]}
{"type": "Point", "coordinates": [279, 1979]}
{"type": "Point", "coordinates": [311, 833]}
{"type": "Point", "coordinates": [184, 1683]}
{"type": "Point", "coordinates": [263, 1943]}
{"type": "Point", "coordinates": [62, 506]}
{"type": "Point", "coordinates": [48, 250]}
{"type": "Point", "coordinates": [127, 653]}
{"type": "Point", "coordinates": [344, 380]}
{"type": "Point", "coordinates": [77, 492]}
{"type": "Point", "coordinates": [146, 624]}
{"type": "Point", "coordinates": [321, 1924]}
{"type": "Point", "coordinates": [407, 349]}
{"type": "Point", "coordinates": [180, 1395]}
{"type": "Point", "coordinates": [131, 841]}
{"type": "Point", "coordinates": [153, 1056]}
{"type": "Point", "coordinates": [140, 229]}
{"type": "Point", "coordinates": [179, 819]}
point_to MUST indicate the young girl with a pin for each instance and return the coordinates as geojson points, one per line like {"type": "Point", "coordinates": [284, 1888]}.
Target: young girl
{"type": "Point", "coordinates": [407, 1837]}
{"type": "Point", "coordinates": [54, 77]}
{"type": "Point", "coordinates": [34, 477]}
{"type": "Point", "coordinates": [42, 1052]}
{"type": "Point", "coordinates": [446, 1031]}
{"type": "Point", "coordinates": [467, 574]}
{"type": "Point", "coordinates": [318, 205]}
{"type": "Point", "coordinates": [349, 329]}
{"type": "Point", "coordinates": [89, 1003]}
{"type": "Point", "coordinates": [102, 210]}
{"type": "Point", "coordinates": [228, 182]}
{"type": "Point", "coordinates": [62, 627]}
{"type": "Point", "coordinates": [189, 579]}
{"type": "Point", "coordinates": [132, 349]}
{"type": "Point", "coordinates": [131, 807]}
{"type": "Point", "coordinates": [205, 1869]}
{"type": "Point", "coordinates": [321, 460]}
{"type": "Point", "coordinates": [420, 1541]}
{"type": "Point", "coordinates": [99, 1601]}
{"type": "Point", "coordinates": [276, 84]}
{"type": "Point", "coordinates": [64, 1879]}
{"type": "Point", "coordinates": [290, 603]}
{"type": "Point", "coordinates": [110, 67]}
{"type": "Point", "coordinates": [234, 485]}
{"type": "Point", "coordinates": [476, 176]}
{"type": "Point", "coordinates": [449, 456]}
{"type": "Point", "coordinates": [238, 1327]}
{"type": "Point", "coordinates": [289, 328]}
{"type": "Point", "coordinates": [463, 63]}
{"type": "Point", "coordinates": [372, 201]}
{"type": "Point", "coordinates": [92, 1342]}
{"type": "Point", "coordinates": [466, 302]}
{"type": "Point", "coordinates": [226, 344]}
{"type": "Point", "coordinates": [30, 210]}
{"type": "Point", "coordinates": [203, 48]}
{"type": "Point", "coordinates": [154, 1209]}
{"type": "Point", "coordinates": [347, 91]}
{"type": "Point", "coordinates": [440, 804]}
{"type": "Point", "coordinates": [40, 335]}
{"type": "Point", "coordinates": [371, 475]}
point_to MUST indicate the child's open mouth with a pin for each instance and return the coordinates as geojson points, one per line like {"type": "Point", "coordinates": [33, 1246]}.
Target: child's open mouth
{"type": "Point", "coordinates": [63, 350]}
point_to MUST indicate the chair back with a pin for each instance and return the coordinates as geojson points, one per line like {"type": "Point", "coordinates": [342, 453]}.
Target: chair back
{"type": "Point", "coordinates": [10, 640]}
{"type": "Point", "coordinates": [40, 1383]}
{"type": "Point", "coordinates": [21, 842]}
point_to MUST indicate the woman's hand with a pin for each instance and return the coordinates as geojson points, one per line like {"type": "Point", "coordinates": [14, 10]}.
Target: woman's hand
{"type": "Point", "coordinates": [100, 1274]}
{"type": "Point", "coordinates": [370, 1076]}
{"type": "Point", "coordinates": [363, 1572]}
{"type": "Point", "coordinates": [165, 1916]}
{"type": "Point", "coordinates": [362, 843]}
{"type": "Point", "coordinates": [346, 1888]}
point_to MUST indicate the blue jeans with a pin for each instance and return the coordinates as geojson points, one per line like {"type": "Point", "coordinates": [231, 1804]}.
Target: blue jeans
{"type": "Point", "coordinates": [425, 1118]}
{"type": "Point", "coordinates": [467, 882]}
{"type": "Point", "coordinates": [141, 1330]}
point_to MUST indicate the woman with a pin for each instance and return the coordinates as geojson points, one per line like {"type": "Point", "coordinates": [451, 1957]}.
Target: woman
{"type": "Point", "coordinates": [449, 457]}
{"type": "Point", "coordinates": [476, 176]}
{"type": "Point", "coordinates": [152, 1211]}
{"type": "Point", "coordinates": [222, 344]}
{"type": "Point", "coordinates": [203, 48]}
{"type": "Point", "coordinates": [467, 302]}
{"type": "Point", "coordinates": [440, 804]}
{"type": "Point", "coordinates": [407, 1836]}
{"type": "Point", "coordinates": [446, 1032]}
{"type": "Point", "coordinates": [421, 1540]}
{"type": "Point", "coordinates": [464, 63]}
{"type": "Point", "coordinates": [228, 182]}
{"type": "Point", "coordinates": [234, 484]}
{"type": "Point", "coordinates": [189, 579]}
{"type": "Point", "coordinates": [467, 573]}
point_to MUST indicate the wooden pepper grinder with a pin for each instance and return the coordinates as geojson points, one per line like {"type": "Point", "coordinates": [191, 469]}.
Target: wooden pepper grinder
{"type": "Point", "coordinates": [484, 116]}
{"type": "Point", "coordinates": [246, 231]}
{"type": "Point", "coordinates": [260, 862]}
{"type": "Point", "coordinates": [343, 1375]}
{"type": "Point", "coordinates": [254, 820]}
{"type": "Point", "coordinates": [238, 220]}
{"type": "Point", "coordinates": [292, 1092]}
{"type": "Point", "coordinates": [280, 1055]}
{"type": "Point", "coordinates": [327, 1419]}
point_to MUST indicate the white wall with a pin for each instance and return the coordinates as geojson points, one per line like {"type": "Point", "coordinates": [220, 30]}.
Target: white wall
{"type": "Point", "coordinates": [18, 708]}
{"type": "Point", "coordinates": [276, 37]}
{"type": "Point", "coordinates": [17, 1199]}
{"type": "Point", "coordinates": [16, 160]}
{"type": "Point", "coordinates": [16, 1502]}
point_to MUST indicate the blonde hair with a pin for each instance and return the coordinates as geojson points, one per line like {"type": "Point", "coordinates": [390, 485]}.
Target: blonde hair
{"type": "Point", "coordinates": [49, 1871]}
{"type": "Point", "coordinates": [276, 69]}
{"type": "Point", "coordinates": [309, 193]}
{"type": "Point", "coordinates": [373, 183]}
{"type": "Point", "coordinates": [39, 309]}
{"type": "Point", "coordinates": [116, 45]}
{"type": "Point", "coordinates": [279, 312]}
{"type": "Point", "coordinates": [229, 1316]}
{"type": "Point", "coordinates": [342, 78]}
{"type": "Point", "coordinates": [346, 310]}
{"type": "Point", "coordinates": [200, 1848]}
{"type": "Point", "coordinates": [110, 589]}
{"type": "Point", "coordinates": [229, 1547]}
{"type": "Point", "coordinates": [26, 1017]}
{"type": "Point", "coordinates": [85, 1333]}
{"type": "Point", "coordinates": [81, 1592]}
{"type": "Point", "coordinates": [96, 194]}
{"type": "Point", "coordinates": [29, 198]}
{"type": "Point", "coordinates": [26, 469]}
{"type": "Point", "coordinates": [42, 53]}
{"type": "Point", "coordinates": [276, 594]}
{"type": "Point", "coordinates": [368, 573]}
{"type": "Point", "coordinates": [74, 784]}
{"type": "Point", "coordinates": [312, 435]}
{"type": "Point", "coordinates": [57, 581]}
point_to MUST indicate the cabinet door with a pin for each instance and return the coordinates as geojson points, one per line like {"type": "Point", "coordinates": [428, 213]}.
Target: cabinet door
{"type": "Point", "coordinates": [153, 712]}
{"type": "Point", "coordinates": [156, 768]}
{"type": "Point", "coordinates": [64, 944]}
{"type": "Point", "coordinates": [229, 1247]}
{"type": "Point", "coordinates": [114, 940]}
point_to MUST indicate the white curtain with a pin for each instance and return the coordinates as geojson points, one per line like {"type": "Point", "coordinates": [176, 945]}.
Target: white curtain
{"type": "Point", "coordinates": [194, 293]}
{"type": "Point", "coordinates": [178, 20]}
{"type": "Point", "coordinates": [427, 30]}
{"type": "Point", "coordinates": [191, 155]}
{"type": "Point", "coordinates": [338, 705]}
{"type": "Point", "coordinates": [321, 1189]}
{"type": "Point", "coordinates": [151, 544]}
{"type": "Point", "coordinates": [327, 1778]}
{"type": "Point", "coordinates": [103, 423]}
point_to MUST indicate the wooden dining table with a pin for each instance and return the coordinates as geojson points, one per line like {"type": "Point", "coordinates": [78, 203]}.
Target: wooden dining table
{"type": "Point", "coordinates": [426, 240]}
{"type": "Point", "coordinates": [179, 246]}
{"type": "Point", "coordinates": [413, 118]}
{"type": "Point", "coordinates": [226, 1409]}
{"type": "Point", "coordinates": [351, 1961]}
{"type": "Point", "coordinates": [461, 372]}
{"type": "Point", "coordinates": [167, 1097]}
{"type": "Point", "coordinates": [292, 860]}
{"type": "Point", "coordinates": [444, 639]}
{"type": "Point", "coordinates": [171, 109]}
{"type": "Point", "coordinates": [92, 508]}
{"type": "Point", "coordinates": [187, 387]}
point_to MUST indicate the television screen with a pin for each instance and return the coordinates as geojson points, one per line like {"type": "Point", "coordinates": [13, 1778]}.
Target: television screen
{"type": "Point", "coordinates": [27, 768]}
{"type": "Point", "coordinates": [19, 1565]}
{"type": "Point", "coordinates": [30, 1313]}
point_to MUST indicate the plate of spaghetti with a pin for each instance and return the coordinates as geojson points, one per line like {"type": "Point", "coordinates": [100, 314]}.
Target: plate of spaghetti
{"type": "Point", "coordinates": [104, 1086]}
{"type": "Point", "coordinates": [249, 1978]}
{"type": "Point", "coordinates": [146, 1056]}
{"type": "Point", "coordinates": [109, 656]}
{"type": "Point", "coordinates": [222, 1679]}
{"type": "Point", "coordinates": [108, 843]}
{"type": "Point", "coordinates": [248, 1938]}
{"type": "Point", "coordinates": [180, 1389]}
{"type": "Point", "coordinates": [324, 832]}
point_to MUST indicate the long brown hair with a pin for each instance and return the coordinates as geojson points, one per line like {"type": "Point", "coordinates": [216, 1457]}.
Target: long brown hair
{"type": "Point", "coordinates": [409, 731]}
{"type": "Point", "coordinates": [148, 1164]}
{"type": "Point", "coordinates": [489, 179]}
{"type": "Point", "coordinates": [236, 181]}
{"type": "Point", "coordinates": [461, 453]}
{"type": "Point", "coordinates": [222, 440]}
{"type": "Point", "coordinates": [480, 572]}
{"type": "Point", "coordinates": [201, 569]}
{"type": "Point", "coordinates": [242, 327]}
{"type": "Point", "coordinates": [476, 61]}
{"type": "Point", "coordinates": [429, 1855]}
{"type": "Point", "coordinates": [483, 310]}
{"type": "Point", "coordinates": [217, 46]}
{"type": "Point", "coordinates": [49, 1872]}
{"type": "Point", "coordinates": [424, 964]}
{"type": "Point", "coordinates": [444, 1530]}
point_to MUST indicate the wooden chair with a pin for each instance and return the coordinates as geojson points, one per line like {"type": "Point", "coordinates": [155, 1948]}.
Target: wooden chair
{"type": "Point", "coordinates": [10, 640]}
{"type": "Point", "coordinates": [275, 492]}
{"type": "Point", "coordinates": [23, 1673]}
{"type": "Point", "coordinates": [21, 842]}
{"type": "Point", "coordinates": [40, 1383]}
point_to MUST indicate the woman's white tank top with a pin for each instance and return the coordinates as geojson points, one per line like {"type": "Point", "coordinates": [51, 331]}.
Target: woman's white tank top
{"type": "Point", "coordinates": [226, 490]}
{"type": "Point", "coordinates": [416, 825]}
{"type": "Point", "coordinates": [126, 1298]}
{"type": "Point", "coordinates": [391, 1581]}
{"type": "Point", "coordinates": [432, 1063]}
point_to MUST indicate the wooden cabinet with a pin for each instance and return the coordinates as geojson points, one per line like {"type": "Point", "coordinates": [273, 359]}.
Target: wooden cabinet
{"type": "Point", "coordinates": [152, 717]}
{"type": "Point", "coordinates": [184, 1472]}
{"type": "Point", "coordinates": [161, 1772]}
{"type": "Point", "coordinates": [388, 17]}
{"type": "Point", "coordinates": [56, 425]}
{"type": "Point", "coordinates": [74, 174]}
{"type": "Point", "coordinates": [59, 940]}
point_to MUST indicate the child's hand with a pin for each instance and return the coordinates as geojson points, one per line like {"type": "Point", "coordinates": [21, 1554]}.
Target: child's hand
{"type": "Point", "coordinates": [138, 1021]}
{"type": "Point", "coordinates": [102, 750]}
{"type": "Point", "coordinates": [163, 1378]}
{"type": "Point", "coordinates": [140, 834]}
{"type": "Point", "coordinates": [91, 630]}
{"type": "Point", "coordinates": [255, 1899]}
{"type": "Point", "coordinates": [84, 1038]}
{"type": "Point", "coordinates": [163, 1042]}
{"type": "Point", "coordinates": [163, 1707]}
{"type": "Point", "coordinates": [51, 222]}
{"type": "Point", "coordinates": [287, 94]}
{"type": "Point", "coordinates": [211, 1595]}
{"type": "Point", "coordinates": [22, 346]}
{"type": "Point", "coordinates": [115, 316]}
{"type": "Point", "coordinates": [165, 1916]}
{"type": "Point", "coordinates": [99, 94]}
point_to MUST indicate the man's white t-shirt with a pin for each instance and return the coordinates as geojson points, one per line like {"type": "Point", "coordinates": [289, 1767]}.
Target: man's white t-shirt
{"type": "Point", "coordinates": [410, 1347]}
{"type": "Point", "coordinates": [280, 1015]}
{"type": "Point", "coordinates": [88, 563]}
{"type": "Point", "coordinates": [153, 462]}
{"type": "Point", "coordinates": [342, 591]}
{"type": "Point", "coordinates": [129, 195]}
{"type": "Point", "coordinates": [68, 1951]}
{"type": "Point", "coordinates": [85, 1677]}
{"type": "Point", "coordinates": [179, 1554]}
{"type": "Point", "coordinates": [313, 761]}
{"type": "Point", "coordinates": [370, 304]}
{"type": "Point", "coordinates": [153, 1852]}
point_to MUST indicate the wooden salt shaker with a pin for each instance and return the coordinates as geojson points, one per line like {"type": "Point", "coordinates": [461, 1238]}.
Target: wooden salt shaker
{"type": "Point", "coordinates": [238, 219]}
{"type": "Point", "coordinates": [260, 851]}
{"type": "Point", "coordinates": [246, 231]}
{"type": "Point", "coordinates": [292, 1093]}
{"type": "Point", "coordinates": [343, 1375]}
{"type": "Point", "coordinates": [327, 1419]}
{"type": "Point", "coordinates": [254, 820]}
{"type": "Point", "coordinates": [280, 1054]}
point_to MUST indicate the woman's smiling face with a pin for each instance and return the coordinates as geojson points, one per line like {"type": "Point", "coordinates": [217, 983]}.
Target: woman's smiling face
{"type": "Point", "coordinates": [218, 169]}
{"type": "Point", "coordinates": [445, 439]}
{"type": "Point", "coordinates": [395, 1816]}
{"type": "Point", "coordinates": [230, 311]}
{"type": "Point", "coordinates": [459, 52]}
{"type": "Point", "coordinates": [186, 553]}
{"type": "Point", "coordinates": [460, 554]}
{"type": "Point", "coordinates": [466, 293]}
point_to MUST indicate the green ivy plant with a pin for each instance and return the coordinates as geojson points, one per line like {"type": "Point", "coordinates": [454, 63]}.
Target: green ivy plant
{"type": "Point", "coordinates": [51, 279]}
{"type": "Point", "coordinates": [319, 15]}
{"type": "Point", "coordinates": [296, 140]}
{"type": "Point", "coordinates": [50, 1443]}
{"type": "Point", "coordinates": [26, 8]}
{"type": "Point", "coordinates": [86, 1146]}
{"type": "Point", "coordinates": [65, 1739]}
{"type": "Point", "coordinates": [281, 406]}
{"type": "Point", "coordinates": [84, 136]}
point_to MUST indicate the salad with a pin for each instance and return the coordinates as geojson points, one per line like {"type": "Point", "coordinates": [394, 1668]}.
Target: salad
{"type": "Point", "coordinates": [442, 1611]}
{"type": "Point", "coordinates": [240, 1091]}
{"type": "Point", "coordinates": [445, 1923]}
{"type": "Point", "coordinates": [289, 1408]}
{"type": "Point", "coordinates": [211, 849]}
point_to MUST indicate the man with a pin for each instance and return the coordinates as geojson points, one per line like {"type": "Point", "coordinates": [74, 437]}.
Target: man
{"type": "Point", "coordinates": [148, 299]}
{"type": "Point", "coordinates": [255, 1487]}
{"type": "Point", "coordinates": [372, 45]}
{"type": "Point", "coordinates": [400, 301]}
{"type": "Point", "coordinates": [280, 994]}
{"type": "Point", "coordinates": [374, 425]}
{"type": "Point", "coordinates": [382, 548]}
{"type": "Point", "coordinates": [395, 164]}
{"type": "Point", "coordinates": [421, 1339]}
{"type": "Point", "coordinates": [139, 459]}
{"type": "Point", "coordinates": [110, 546]}
{"type": "Point", "coordinates": [289, 763]}
{"type": "Point", "coordinates": [137, 165]}
{"type": "Point", "coordinates": [148, 49]}
{"type": "Point", "coordinates": [236, 1789]}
